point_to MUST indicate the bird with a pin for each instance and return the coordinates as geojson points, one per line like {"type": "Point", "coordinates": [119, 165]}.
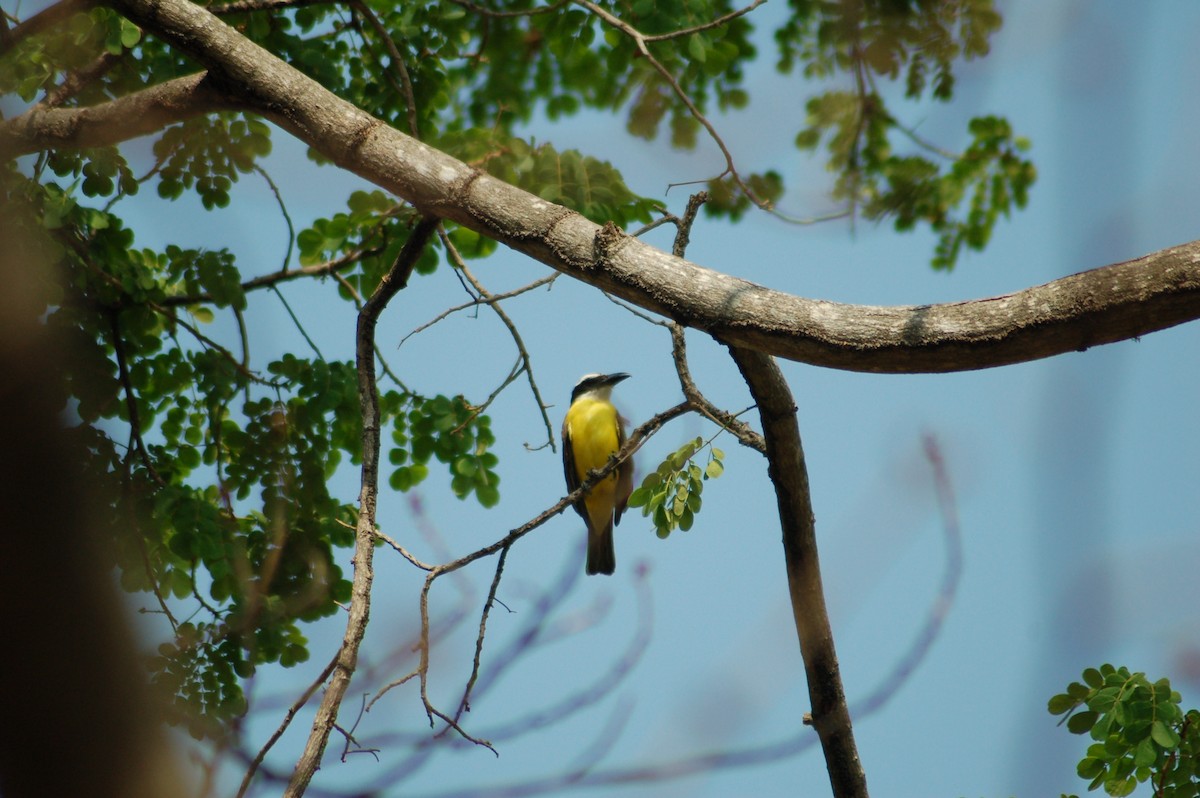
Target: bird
{"type": "Point", "coordinates": [592, 433]}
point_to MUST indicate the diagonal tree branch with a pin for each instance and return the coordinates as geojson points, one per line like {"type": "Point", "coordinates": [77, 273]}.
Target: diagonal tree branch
{"type": "Point", "coordinates": [364, 547]}
{"type": "Point", "coordinates": [1101, 306]}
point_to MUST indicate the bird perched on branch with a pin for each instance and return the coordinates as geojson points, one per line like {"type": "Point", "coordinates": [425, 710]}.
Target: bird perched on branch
{"type": "Point", "coordinates": [592, 433]}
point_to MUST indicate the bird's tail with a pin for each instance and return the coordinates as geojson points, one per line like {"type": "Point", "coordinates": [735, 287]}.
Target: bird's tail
{"type": "Point", "coordinates": [601, 557]}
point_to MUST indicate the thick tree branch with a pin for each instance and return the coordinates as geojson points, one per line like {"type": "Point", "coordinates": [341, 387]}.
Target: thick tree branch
{"type": "Point", "coordinates": [789, 475]}
{"type": "Point", "coordinates": [134, 115]}
{"type": "Point", "coordinates": [1101, 306]}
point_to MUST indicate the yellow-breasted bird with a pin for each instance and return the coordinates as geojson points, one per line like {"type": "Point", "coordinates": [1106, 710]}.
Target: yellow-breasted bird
{"type": "Point", "coordinates": [593, 432]}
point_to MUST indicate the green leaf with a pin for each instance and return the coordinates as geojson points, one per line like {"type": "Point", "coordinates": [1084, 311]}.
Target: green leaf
{"type": "Point", "coordinates": [1090, 767]}
{"type": "Point", "coordinates": [1164, 735]}
{"type": "Point", "coordinates": [1061, 703]}
{"type": "Point", "coordinates": [1145, 753]}
{"type": "Point", "coordinates": [130, 34]}
{"type": "Point", "coordinates": [1082, 722]}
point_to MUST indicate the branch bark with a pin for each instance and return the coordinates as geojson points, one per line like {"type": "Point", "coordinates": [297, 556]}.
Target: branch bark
{"type": "Point", "coordinates": [789, 475]}
{"type": "Point", "coordinates": [1096, 307]}
{"type": "Point", "coordinates": [137, 114]}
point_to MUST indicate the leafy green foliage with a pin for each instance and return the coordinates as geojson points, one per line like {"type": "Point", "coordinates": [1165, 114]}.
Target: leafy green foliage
{"type": "Point", "coordinates": [1141, 733]}
{"type": "Point", "coordinates": [452, 432]}
{"type": "Point", "coordinates": [991, 175]}
{"type": "Point", "coordinates": [671, 493]}
{"type": "Point", "coordinates": [882, 167]}
{"type": "Point", "coordinates": [200, 672]}
{"type": "Point", "coordinates": [582, 183]}
{"type": "Point", "coordinates": [895, 40]}
{"type": "Point", "coordinates": [372, 234]}
{"type": "Point", "coordinates": [207, 154]}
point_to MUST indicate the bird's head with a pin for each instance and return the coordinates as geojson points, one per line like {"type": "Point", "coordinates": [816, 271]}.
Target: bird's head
{"type": "Point", "coordinates": [599, 385]}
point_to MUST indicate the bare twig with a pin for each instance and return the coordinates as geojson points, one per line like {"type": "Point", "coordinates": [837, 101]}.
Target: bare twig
{"type": "Point", "coordinates": [528, 12]}
{"type": "Point", "coordinates": [474, 303]}
{"type": "Point", "coordinates": [464, 705]}
{"type": "Point", "coordinates": [487, 296]}
{"type": "Point", "coordinates": [403, 552]}
{"type": "Point", "coordinates": [745, 434]}
{"type": "Point", "coordinates": [287, 217]}
{"type": "Point", "coordinates": [716, 23]}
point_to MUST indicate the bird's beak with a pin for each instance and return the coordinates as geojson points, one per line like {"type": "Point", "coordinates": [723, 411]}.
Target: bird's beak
{"type": "Point", "coordinates": [613, 379]}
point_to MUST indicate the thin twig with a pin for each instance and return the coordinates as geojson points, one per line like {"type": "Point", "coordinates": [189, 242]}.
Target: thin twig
{"type": "Point", "coordinates": [528, 12]}
{"type": "Point", "coordinates": [403, 552]}
{"type": "Point", "coordinates": [287, 217]}
{"type": "Point", "coordinates": [716, 23]}
{"type": "Point", "coordinates": [474, 303]}
{"type": "Point", "coordinates": [329, 267]}
{"type": "Point", "coordinates": [465, 704]}
{"type": "Point", "coordinates": [526, 366]}
{"type": "Point", "coordinates": [296, 321]}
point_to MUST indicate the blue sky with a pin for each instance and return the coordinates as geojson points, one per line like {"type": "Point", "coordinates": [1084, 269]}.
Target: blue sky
{"type": "Point", "coordinates": [1076, 477]}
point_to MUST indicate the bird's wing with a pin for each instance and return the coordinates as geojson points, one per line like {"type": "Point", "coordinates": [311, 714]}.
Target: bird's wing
{"type": "Point", "coordinates": [573, 482]}
{"type": "Point", "coordinates": [624, 474]}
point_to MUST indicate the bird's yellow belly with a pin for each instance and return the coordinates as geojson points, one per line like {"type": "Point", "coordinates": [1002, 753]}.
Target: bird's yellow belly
{"type": "Point", "coordinates": [594, 438]}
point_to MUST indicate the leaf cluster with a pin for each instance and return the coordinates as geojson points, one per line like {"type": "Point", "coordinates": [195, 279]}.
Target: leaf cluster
{"type": "Point", "coordinates": [453, 432]}
{"type": "Point", "coordinates": [670, 494]}
{"type": "Point", "coordinates": [215, 478]}
{"type": "Point", "coordinates": [882, 167]}
{"type": "Point", "coordinates": [917, 41]}
{"type": "Point", "coordinates": [1141, 732]}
